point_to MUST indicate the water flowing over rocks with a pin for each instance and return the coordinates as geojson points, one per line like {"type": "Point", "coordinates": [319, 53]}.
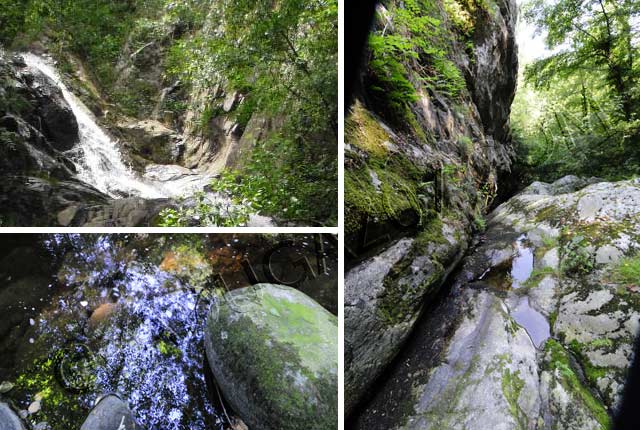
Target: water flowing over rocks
{"type": "Point", "coordinates": [60, 167]}
{"type": "Point", "coordinates": [536, 331]}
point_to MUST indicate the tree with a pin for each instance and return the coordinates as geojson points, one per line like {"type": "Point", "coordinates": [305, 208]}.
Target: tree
{"type": "Point", "coordinates": [590, 36]}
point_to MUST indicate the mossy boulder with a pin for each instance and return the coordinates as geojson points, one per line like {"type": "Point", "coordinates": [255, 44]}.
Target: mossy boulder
{"type": "Point", "coordinates": [274, 354]}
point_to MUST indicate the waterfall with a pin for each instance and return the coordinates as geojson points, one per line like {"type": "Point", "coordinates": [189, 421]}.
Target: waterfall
{"type": "Point", "coordinates": [98, 159]}
{"type": "Point", "coordinates": [99, 162]}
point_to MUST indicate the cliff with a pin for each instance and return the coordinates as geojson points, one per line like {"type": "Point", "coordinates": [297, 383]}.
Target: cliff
{"type": "Point", "coordinates": [428, 143]}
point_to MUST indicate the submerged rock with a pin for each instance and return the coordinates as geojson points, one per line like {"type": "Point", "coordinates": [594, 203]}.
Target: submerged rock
{"type": "Point", "coordinates": [274, 354]}
{"type": "Point", "coordinates": [8, 419]}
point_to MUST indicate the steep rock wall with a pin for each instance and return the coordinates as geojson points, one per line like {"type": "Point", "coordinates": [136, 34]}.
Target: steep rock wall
{"type": "Point", "coordinates": [426, 142]}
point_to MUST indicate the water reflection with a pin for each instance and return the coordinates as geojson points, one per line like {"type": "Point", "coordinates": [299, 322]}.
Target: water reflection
{"type": "Point", "coordinates": [522, 264]}
{"type": "Point", "coordinates": [532, 321]}
{"type": "Point", "coordinates": [125, 313]}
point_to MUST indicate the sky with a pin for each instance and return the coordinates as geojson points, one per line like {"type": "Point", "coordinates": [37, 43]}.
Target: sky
{"type": "Point", "coordinates": [530, 46]}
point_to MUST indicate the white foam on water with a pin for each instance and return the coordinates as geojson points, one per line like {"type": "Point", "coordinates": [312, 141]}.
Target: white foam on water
{"type": "Point", "coordinates": [99, 161]}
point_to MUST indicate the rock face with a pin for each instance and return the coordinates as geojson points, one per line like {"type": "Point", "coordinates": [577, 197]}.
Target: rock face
{"type": "Point", "coordinates": [274, 354]}
{"type": "Point", "coordinates": [538, 329]}
{"type": "Point", "coordinates": [36, 125]}
{"type": "Point", "coordinates": [152, 140]}
{"type": "Point", "coordinates": [425, 172]}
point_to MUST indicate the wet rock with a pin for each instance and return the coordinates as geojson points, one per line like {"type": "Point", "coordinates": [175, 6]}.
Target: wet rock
{"type": "Point", "coordinates": [383, 297]}
{"type": "Point", "coordinates": [152, 140]}
{"type": "Point", "coordinates": [466, 392]}
{"type": "Point", "coordinates": [26, 200]}
{"type": "Point", "coordinates": [564, 360]}
{"type": "Point", "coordinates": [550, 259]}
{"type": "Point", "coordinates": [8, 419]}
{"type": "Point", "coordinates": [111, 413]}
{"type": "Point", "coordinates": [59, 123]}
{"type": "Point", "coordinates": [274, 354]}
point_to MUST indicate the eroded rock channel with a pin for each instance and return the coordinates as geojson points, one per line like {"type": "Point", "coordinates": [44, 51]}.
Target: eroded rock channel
{"type": "Point", "coordinates": [534, 330]}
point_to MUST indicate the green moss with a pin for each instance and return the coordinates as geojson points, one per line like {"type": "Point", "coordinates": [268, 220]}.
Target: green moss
{"type": "Point", "coordinates": [401, 300]}
{"type": "Point", "coordinates": [292, 320]}
{"type": "Point", "coordinates": [365, 132]}
{"type": "Point", "coordinates": [538, 275]}
{"type": "Point", "coordinates": [553, 316]}
{"type": "Point", "coordinates": [431, 234]}
{"type": "Point", "coordinates": [512, 386]}
{"type": "Point", "coordinates": [59, 408]}
{"type": "Point", "coordinates": [395, 194]}
{"type": "Point", "coordinates": [552, 214]}
{"type": "Point", "coordinates": [168, 349]}
{"type": "Point", "coordinates": [558, 360]}
{"type": "Point", "coordinates": [627, 271]}
{"type": "Point", "coordinates": [592, 373]}
{"type": "Point", "coordinates": [267, 363]}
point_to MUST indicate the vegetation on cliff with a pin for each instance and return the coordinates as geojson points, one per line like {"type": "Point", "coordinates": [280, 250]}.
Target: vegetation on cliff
{"type": "Point", "coordinates": [280, 59]}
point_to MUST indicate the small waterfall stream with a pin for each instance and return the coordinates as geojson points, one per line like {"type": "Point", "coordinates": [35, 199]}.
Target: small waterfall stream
{"type": "Point", "coordinates": [100, 164]}
{"type": "Point", "coordinates": [98, 160]}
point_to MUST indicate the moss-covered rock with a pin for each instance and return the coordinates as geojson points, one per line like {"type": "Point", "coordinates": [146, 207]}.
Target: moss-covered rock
{"type": "Point", "coordinates": [274, 353]}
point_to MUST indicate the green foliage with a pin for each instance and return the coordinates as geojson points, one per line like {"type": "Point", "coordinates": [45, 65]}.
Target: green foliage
{"type": "Point", "coordinates": [285, 190]}
{"type": "Point", "coordinates": [576, 111]}
{"type": "Point", "coordinates": [267, 52]}
{"type": "Point", "coordinates": [205, 212]}
{"type": "Point", "coordinates": [627, 271]}
{"type": "Point", "coordinates": [413, 38]}
{"type": "Point", "coordinates": [480, 223]}
{"type": "Point", "coordinates": [96, 30]}
{"type": "Point", "coordinates": [576, 259]}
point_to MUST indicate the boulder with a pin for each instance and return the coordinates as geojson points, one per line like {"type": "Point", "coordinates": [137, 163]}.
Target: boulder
{"type": "Point", "coordinates": [8, 419]}
{"type": "Point", "coordinates": [274, 354]}
{"type": "Point", "coordinates": [384, 296]}
{"type": "Point", "coordinates": [59, 123]}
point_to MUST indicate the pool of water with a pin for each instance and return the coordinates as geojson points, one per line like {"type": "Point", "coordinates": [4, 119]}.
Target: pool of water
{"type": "Point", "coordinates": [509, 277]}
{"type": "Point", "coordinates": [86, 315]}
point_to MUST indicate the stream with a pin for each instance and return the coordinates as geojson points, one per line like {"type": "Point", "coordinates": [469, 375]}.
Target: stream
{"type": "Point", "coordinates": [85, 315]}
{"type": "Point", "coordinates": [100, 163]}
{"type": "Point", "coordinates": [428, 343]}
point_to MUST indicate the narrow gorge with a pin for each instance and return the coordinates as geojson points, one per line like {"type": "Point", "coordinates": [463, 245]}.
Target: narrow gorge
{"type": "Point", "coordinates": [476, 297]}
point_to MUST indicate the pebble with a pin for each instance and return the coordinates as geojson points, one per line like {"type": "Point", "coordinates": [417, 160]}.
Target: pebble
{"type": "Point", "coordinates": [34, 407]}
{"type": "Point", "coordinates": [6, 386]}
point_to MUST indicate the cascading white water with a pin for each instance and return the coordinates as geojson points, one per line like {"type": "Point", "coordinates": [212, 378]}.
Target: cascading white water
{"type": "Point", "coordinates": [98, 159]}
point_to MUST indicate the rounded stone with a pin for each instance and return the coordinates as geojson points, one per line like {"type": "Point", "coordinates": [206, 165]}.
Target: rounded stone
{"type": "Point", "coordinates": [274, 353]}
{"type": "Point", "coordinates": [8, 419]}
